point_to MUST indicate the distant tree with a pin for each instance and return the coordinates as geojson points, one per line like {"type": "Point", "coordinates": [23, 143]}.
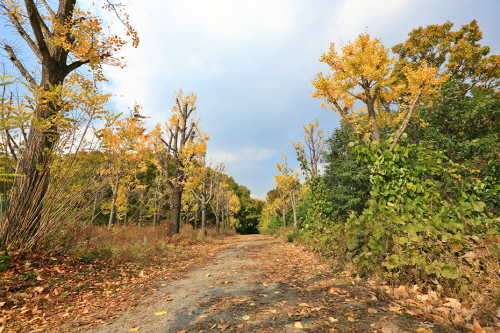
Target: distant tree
{"type": "Point", "coordinates": [309, 152]}
{"type": "Point", "coordinates": [288, 185]}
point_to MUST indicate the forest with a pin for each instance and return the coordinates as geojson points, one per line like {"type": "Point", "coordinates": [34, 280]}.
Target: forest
{"type": "Point", "coordinates": [405, 190]}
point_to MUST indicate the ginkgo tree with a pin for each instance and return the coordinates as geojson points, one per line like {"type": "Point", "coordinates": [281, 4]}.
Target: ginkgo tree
{"type": "Point", "coordinates": [202, 184]}
{"type": "Point", "coordinates": [62, 38]}
{"type": "Point", "coordinates": [288, 185]}
{"type": "Point", "coordinates": [184, 142]}
{"type": "Point", "coordinates": [310, 150]}
{"type": "Point", "coordinates": [364, 72]}
{"type": "Point", "coordinates": [126, 146]}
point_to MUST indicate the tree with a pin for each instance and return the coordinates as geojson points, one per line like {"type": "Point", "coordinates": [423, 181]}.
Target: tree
{"type": "Point", "coordinates": [463, 120]}
{"type": "Point", "coordinates": [219, 187]}
{"type": "Point", "coordinates": [202, 184]}
{"type": "Point", "coordinates": [314, 141]}
{"type": "Point", "coordinates": [183, 142]}
{"type": "Point", "coordinates": [346, 179]}
{"type": "Point", "coordinates": [365, 72]}
{"type": "Point", "coordinates": [62, 41]}
{"type": "Point", "coordinates": [288, 185]}
{"type": "Point", "coordinates": [126, 146]}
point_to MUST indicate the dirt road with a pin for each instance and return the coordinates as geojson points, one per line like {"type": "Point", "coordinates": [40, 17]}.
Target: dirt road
{"type": "Point", "coordinates": [259, 284]}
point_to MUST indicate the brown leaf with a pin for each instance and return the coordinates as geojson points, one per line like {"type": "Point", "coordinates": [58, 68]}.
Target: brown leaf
{"type": "Point", "coordinates": [222, 327]}
{"type": "Point", "coordinates": [477, 327]}
{"type": "Point", "coordinates": [38, 289]}
{"type": "Point", "coordinates": [298, 324]}
{"type": "Point", "coordinates": [396, 309]}
{"type": "Point", "coordinates": [372, 310]}
{"type": "Point", "coordinates": [135, 329]}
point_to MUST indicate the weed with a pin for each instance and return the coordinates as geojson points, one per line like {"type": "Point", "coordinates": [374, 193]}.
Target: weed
{"type": "Point", "coordinates": [29, 276]}
{"type": "Point", "coordinates": [4, 261]}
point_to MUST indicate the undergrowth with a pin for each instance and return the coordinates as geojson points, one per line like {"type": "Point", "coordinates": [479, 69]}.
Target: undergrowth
{"type": "Point", "coordinates": [137, 244]}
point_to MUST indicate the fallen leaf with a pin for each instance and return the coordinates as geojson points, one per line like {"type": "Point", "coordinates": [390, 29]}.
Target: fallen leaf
{"type": "Point", "coordinates": [182, 331]}
{"type": "Point", "coordinates": [135, 329]}
{"type": "Point", "coordinates": [222, 327]}
{"type": "Point", "coordinates": [38, 289]}
{"type": "Point", "coordinates": [264, 283]}
{"type": "Point", "coordinates": [305, 304]}
{"type": "Point", "coordinates": [161, 313]}
{"type": "Point", "coordinates": [351, 319]}
{"type": "Point", "coordinates": [245, 317]}
{"type": "Point", "coordinates": [452, 303]}
{"type": "Point", "coordinates": [207, 275]}
{"type": "Point", "coordinates": [372, 310]}
{"type": "Point", "coordinates": [477, 327]}
{"type": "Point", "coordinates": [396, 309]}
{"type": "Point", "coordinates": [298, 324]}
{"type": "Point", "coordinates": [333, 320]}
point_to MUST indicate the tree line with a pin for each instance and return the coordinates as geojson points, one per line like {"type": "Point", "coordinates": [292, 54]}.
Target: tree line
{"type": "Point", "coordinates": [68, 162]}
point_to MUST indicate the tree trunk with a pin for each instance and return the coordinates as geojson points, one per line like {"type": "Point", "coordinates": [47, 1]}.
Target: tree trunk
{"type": "Point", "coordinates": [203, 217]}
{"type": "Point", "coordinates": [294, 209]}
{"type": "Point", "coordinates": [113, 204]}
{"type": "Point", "coordinates": [25, 206]}
{"type": "Point", "coordinates": [175, 210]}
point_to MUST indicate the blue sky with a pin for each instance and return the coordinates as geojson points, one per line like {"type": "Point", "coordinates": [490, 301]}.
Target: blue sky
{"type": "Point", "coordinates": [251, 62]}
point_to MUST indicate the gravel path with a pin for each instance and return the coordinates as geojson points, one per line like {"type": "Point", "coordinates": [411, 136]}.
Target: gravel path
{"type": "Point", "coordinates": [263, 285]}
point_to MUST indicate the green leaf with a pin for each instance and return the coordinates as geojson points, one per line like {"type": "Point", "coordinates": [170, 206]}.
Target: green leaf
{"type": "Point", "coordinates": [450, 271]}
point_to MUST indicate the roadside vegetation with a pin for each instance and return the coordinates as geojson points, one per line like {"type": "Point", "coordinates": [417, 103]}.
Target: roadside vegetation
{"type": "Point", "coordinates": [410, 189]}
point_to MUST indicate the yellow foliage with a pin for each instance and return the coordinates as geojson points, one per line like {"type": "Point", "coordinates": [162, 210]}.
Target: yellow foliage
{"type": "Point", "coordinates": [364, 71]}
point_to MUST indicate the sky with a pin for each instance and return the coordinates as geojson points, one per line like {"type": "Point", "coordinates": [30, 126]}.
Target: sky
{"type": "Point", "coordinates": [251, 63]}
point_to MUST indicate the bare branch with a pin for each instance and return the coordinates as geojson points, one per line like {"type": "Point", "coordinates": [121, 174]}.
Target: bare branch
{"type": "Point", "coordinates": [36, 25]}
{"type": "Point", "coordinates": [24, 34]}
{"type": "Point", "coordinates": [19, 66]}
{"type": "Point", "coordinates": [52, 13]}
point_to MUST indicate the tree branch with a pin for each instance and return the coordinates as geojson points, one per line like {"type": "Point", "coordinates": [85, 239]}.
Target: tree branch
{"type": "Point", "coordinates": [23, 33]}
{"type": "Point", "coordinates": [36, 25]}
{"type": "Point", "coordinates": [52, 13]}
{"type": "Point", "coordinates": [19, 66]}
{"type": "Point", "coordinates": [75, 65]}
{"type": "Point", "coordinates": [406, 120]}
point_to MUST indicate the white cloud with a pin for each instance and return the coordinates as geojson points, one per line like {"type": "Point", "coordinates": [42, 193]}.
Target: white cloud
{"type": "Point", "coordinates": [354, 17]}
{"type": "Point", "coordinates": [230, 20]}
{"type": "Point", "coordinates": [221, 157]}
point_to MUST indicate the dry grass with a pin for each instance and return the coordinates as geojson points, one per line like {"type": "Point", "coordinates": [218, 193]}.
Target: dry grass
{"type": "Point", "coordinates": [122, 244]}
